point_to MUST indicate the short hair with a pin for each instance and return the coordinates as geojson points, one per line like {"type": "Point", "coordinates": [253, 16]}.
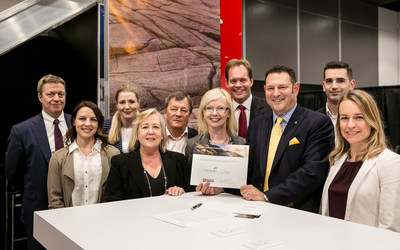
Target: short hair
{"type": "Point", "coordinates": [49, 79]}
{"type": "Point", "coordinates": [116, 123]}
{"type": "Point", "coordinates": [339, 65]}
{"type": "Point", "coordinates": [282, 69]}
{"type": "Point", "coordinates": [212, 95]}
{"type": "Point", "coordinates": [179, 95]}
{"type": "Point", "coordinates": [238, 62]}
{"type": "Point", "coordinates": [71, 134]}
{"type": "Point", "coordinates": [377, 141]}
{"type": "Point", "coordinates": [134, 144]}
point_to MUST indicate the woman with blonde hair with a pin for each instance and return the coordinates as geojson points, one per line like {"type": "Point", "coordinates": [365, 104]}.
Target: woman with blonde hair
{"type": "Point", "coordinates": [119, 127]}
{"type": "Point", "coordinates": [148, 169]}
{"type": "Point", "coordinates": [217, 125]}
{"type": "Point", "coordinates": [363, 184]}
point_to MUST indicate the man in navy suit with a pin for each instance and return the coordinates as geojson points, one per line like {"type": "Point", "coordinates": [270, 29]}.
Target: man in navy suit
{"type": "Point", "coordinates": [239, 80]}
{"type": "Point", "coordinates": [177, 110]}
{"type": "Point", "coordinates": [30, 145]}
{"type": "Point", "coordinates": [300, 164]}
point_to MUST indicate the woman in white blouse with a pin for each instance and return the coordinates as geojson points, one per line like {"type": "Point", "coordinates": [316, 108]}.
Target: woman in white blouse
{"type": "Point", "coordinates": [363, 184]}
{"type": "Point", "coordinates": [77, 173]}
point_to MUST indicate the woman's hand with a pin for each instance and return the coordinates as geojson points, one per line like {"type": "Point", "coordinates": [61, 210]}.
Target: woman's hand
{"type": "Point", "coordinates": [175, 191]}
{"type": "Point", "coordinates": [207, 190]}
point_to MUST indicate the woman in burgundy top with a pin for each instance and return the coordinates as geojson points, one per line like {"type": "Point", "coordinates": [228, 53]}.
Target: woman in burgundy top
{"type": "Point", "coordinates": [363, 184]}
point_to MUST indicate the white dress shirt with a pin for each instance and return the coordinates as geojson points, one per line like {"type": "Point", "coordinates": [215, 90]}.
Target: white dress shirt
{"type": "Point", "coordinates": [87, 175]}
{"type": "Point", "coordinates": [177, 144]}
{"type": "Point", "coordinates": [247, 105]}
{"type": "Point", "coordinates": [49, 124]}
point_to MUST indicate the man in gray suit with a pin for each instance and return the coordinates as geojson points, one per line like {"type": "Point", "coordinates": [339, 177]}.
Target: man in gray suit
{"type": "Point", "coordinates": [239, 80]}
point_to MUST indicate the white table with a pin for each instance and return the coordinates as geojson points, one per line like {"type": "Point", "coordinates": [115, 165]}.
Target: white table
{"type": "Point", "coordinates": [128, 225]}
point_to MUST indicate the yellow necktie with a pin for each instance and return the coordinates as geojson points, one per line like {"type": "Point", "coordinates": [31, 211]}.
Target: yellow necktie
{"type": "Point", "coordinates": [276, 134]}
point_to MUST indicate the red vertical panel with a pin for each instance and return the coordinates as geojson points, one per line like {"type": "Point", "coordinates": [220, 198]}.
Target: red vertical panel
{"type": "Point", "coordinates": [231, 33]}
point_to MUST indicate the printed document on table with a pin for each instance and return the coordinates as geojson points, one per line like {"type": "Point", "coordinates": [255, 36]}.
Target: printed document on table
{"type": "Point", "coordinates": [189, 217]}
{"type": "Point", "coordinates": [219, 164]}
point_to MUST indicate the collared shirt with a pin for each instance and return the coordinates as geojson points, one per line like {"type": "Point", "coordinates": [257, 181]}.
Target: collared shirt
{"type": "Point", "coordinates": [247, 105]}
{"type": "Point", "coordinates": [333, 119]}
{"type": "Point", "coordinates": [126, 134]}
{"type": "Point", "coordinates": [49, 125]}
{"type": "Point", "coordinates": [329, 113]}
{"type": "Point", "coordinates": [286, 117]}
{"type": "Point", "coordinates": [87, 175]}
{"type": "Point", "coordinates": [177, 144]}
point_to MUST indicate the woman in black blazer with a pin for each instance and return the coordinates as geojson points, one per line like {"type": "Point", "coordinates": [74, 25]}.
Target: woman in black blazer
{"type": "Point", "coordinates": [149, 169]}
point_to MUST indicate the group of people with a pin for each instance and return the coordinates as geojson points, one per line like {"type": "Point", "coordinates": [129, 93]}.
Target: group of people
{"type": "Point", "coordinates": [334, 161]}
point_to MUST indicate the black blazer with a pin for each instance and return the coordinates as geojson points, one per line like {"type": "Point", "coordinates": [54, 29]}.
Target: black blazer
{"type": "Point", "coordinates": [192, 132]}
{"type": "Point", "coordinates": [322, 110]}
{"type": "Point", "coordinates": [259, 106]}
{"type": "Point", "coordinates": [299, 170]}
{"type": "Point", "coordinates": [126, 179]}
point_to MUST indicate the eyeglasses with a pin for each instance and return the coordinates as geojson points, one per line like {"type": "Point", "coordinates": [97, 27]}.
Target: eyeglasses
{"type": "Point", "coordinates": [220, 110]}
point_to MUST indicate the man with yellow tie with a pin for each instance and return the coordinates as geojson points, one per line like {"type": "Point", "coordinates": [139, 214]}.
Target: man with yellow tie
{"type": "Point", "coordinates": [289, 147]}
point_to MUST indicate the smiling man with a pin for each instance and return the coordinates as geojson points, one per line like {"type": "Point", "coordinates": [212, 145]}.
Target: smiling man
{"type": "Point", "coordinates": [177, 110]}
{"type": "Point", "coordinates": [239, 79]}
{"type": "Point", "coordinates": [289, 147]}
{"type": "Point", "coordinates": [30, 146]}
{"type": "Point", "coordinates": [338, 81]}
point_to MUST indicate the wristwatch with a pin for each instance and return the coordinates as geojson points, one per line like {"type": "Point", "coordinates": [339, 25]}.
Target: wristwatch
{"type": "Point", "coordinates": [266, 198]}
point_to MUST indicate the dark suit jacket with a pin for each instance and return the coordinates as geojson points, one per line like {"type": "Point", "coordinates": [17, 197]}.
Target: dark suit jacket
{"type": "Point", "coordinates": [106, 130]}
{"type": "Point", "coordinates": [27, 160]}
{"type": "Point", "coordinates": [192, 132]}
{"type": "Point", "coordinates": [298, 171]}
{"type": "Point", "coordinates": [259, 106]}
{"type": "Point", "coordinates": [322, 110]}
{"type": "Point", "coordinates": [126, 179]}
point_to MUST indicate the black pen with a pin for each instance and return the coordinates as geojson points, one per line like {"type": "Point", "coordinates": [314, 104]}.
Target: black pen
{"type": "Point", "coordinates": [196, 206]}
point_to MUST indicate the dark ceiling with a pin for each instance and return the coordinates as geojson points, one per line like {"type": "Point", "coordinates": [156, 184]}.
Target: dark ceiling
{"type": "Point", "coordinates": [388, 4]}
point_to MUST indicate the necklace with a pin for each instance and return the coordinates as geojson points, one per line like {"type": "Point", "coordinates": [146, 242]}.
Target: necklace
{"type": "Point", "coordinates": [148, 181]}
{"type": "Point", "coordinates": [229, 139]}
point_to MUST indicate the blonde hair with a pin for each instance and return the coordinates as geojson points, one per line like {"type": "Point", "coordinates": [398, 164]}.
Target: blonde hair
{"type": "Point", "coordinates": [116, 123]}
{"type": "Point", "coordinates": [134, 144]}
{"type": "Point", "coordinates": [376, 141]}
{"type": "Point", "coordinates": [212, 95]}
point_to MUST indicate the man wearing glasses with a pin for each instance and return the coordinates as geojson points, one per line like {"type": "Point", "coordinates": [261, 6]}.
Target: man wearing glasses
{"type": "Point", "coordinates": [178, 108]}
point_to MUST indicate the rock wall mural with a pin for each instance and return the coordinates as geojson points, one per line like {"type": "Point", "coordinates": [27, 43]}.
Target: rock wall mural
{"type": "Point", "coordinates": [162, 46]}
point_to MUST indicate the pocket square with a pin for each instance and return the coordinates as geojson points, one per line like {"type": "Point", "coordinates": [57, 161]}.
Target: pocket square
{"type": "Point", "coordinates": [294, 141]}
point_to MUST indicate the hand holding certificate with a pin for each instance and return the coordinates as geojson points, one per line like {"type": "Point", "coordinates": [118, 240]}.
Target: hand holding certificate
{"type": "Point", "coordinates": [222, 165]}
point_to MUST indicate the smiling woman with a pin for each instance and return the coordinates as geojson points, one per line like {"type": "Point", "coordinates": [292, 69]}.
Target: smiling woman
{"type": "Point", "coordinates": [148, 169]}
{"type": "Point", "coordinates": [363, 184]}
{"type": "Point", "coordinates": [77, 173]}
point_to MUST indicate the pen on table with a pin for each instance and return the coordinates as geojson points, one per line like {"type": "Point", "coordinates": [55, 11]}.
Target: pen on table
{"type": "Point", "coordinates": [196, 206]}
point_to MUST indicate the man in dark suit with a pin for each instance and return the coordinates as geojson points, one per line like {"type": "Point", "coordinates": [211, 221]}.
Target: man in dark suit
{"type": "Point", "coordinates": [177, 110]}
{"type": "Point", "coordinates": [30, 145]}
{"type": "Point", "coordinates": [299, 164]}
{"type": "Point", "coordinates": [338, 81]}
{"type": "Point", "coordinates": [239, 80]}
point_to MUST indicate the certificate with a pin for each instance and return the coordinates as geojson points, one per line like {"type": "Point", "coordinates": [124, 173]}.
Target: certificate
{"type": "Point", "coordinates": [219, 164]}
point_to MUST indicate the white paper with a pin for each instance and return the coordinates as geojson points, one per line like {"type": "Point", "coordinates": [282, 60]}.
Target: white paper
{"type": "Point", "coordinates": [229, 231]}
{"type": "Point", "coordinates": [263, 244]}
{"type": "Point", "coordinates": [188, 217]}
{"type": "Point", "coordinates": [221, 165]}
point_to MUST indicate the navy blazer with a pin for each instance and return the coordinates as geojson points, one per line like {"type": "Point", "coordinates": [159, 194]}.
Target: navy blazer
{"type": "Point", "coordinates": [126, 179]}
{"type": "Point", "coordinates": [27, 161]}
{"type": "Point", "coordinates": [106, 130]}
{"type": "Point", "coordinates": [259, 106]}
{"type": "Point", "coordinates": [299, 170]}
